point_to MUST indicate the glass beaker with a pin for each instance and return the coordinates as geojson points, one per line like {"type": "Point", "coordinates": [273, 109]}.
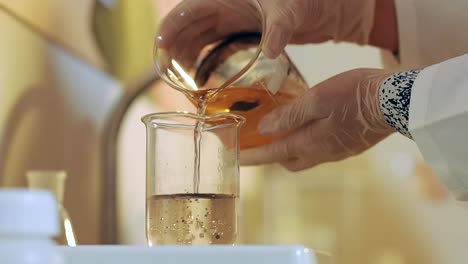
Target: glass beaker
{"type": "Point", "coordinates": [232, 75]}
{"type": "Point", "coordinates": [179, 210]}
{"type": "Point", "coordinates": [54, 181]}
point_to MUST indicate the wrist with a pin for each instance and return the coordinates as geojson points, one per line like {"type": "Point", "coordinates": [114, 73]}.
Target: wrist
{"type": "Point", "coordinates": [371, 115]}
{"type": "Point", "coordinates": [380, 120]}
{"type": "Point", "coordinates": [384, 33]}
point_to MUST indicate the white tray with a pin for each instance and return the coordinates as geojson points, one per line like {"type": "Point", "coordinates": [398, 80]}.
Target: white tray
{"type": "Point", "coordinates": [188, 255]}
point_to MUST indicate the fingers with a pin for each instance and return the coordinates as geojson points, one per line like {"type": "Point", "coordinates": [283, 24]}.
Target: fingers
{"type": "Point", "coordinates": [277, 151]}
{"type": "Point", "coordinates": [307, 143]}
{"type": "Point", "coordinates": [279, 29]}
{"type": "Point", "coordinates": [276, 38]}
{"type": "Point", "coordinates": [299, 164]}
{"type": "Point", "coordinates": [289, 117]}
{"type": "Point", "coordinates": [291, 154]}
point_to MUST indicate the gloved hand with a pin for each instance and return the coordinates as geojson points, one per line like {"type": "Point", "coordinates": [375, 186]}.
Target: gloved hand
{"type": "Point", "coordinates": [336, 119]}
{"type": "Point", "coordinates": [196, 23]}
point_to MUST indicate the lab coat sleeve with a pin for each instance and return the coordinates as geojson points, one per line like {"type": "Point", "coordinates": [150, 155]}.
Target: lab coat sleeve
{"type": "Point", "coordinates": [431, 31]}
{"type": "Point", "coordinates": [438, 121]}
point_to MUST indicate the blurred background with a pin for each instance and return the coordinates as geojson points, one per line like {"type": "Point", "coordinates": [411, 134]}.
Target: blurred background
{"type": "Point", "coordinates": [75, 79]}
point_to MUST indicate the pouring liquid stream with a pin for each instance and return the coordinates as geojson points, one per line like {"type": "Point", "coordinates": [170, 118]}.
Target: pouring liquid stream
{"type": "Point", "coordinates": [197, 143]}
{"type": "Point", "coordinates": [200, 99]}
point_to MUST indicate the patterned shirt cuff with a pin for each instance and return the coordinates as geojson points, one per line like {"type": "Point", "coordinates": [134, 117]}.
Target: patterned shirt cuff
{"type": "Point", "coordinates": [394, 98]}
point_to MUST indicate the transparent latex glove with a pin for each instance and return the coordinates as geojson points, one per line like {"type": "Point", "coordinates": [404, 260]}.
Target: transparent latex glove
{"type": "Point", "coordinates": [195, 23]}
{"type": "Point", "coordinates": [336, 119]}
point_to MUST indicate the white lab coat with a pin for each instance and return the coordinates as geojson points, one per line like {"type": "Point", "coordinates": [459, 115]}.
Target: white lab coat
{"type": "Point", "coordinates": [432, 31]}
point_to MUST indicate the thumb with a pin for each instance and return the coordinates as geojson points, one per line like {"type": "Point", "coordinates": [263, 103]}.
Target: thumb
{"type": "Point", "coordinates": [279, 29]}
{"type": "Point", "coordinates": [293, 115]}
{"type": "Point", "coordinates": [276, 39]}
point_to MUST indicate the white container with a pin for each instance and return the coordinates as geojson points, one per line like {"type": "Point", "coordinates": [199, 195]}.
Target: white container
{"type": "Point", "coordinates": [188, 255]}
{"type": "Point", "coordinates": [28, 221]}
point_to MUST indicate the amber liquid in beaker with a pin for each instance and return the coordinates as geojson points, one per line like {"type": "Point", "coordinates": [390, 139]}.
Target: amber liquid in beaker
{"type": "Point", "coordinates": [186, 219]}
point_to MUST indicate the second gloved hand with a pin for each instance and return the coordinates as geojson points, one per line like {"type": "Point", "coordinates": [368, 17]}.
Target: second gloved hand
{"type": "Point", "coordinates": [336, 119]}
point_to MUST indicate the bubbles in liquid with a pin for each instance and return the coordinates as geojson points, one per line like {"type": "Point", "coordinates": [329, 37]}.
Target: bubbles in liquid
{"type": "Point", "coordinates": [184, 226]}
